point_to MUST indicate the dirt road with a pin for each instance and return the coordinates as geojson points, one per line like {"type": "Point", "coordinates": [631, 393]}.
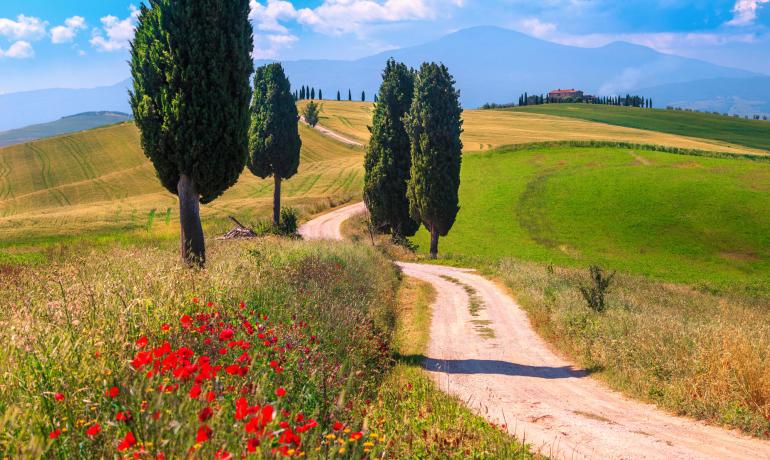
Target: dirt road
{"type": "Point", "coordinates": [483, 350]}
{"type": "Point", "coordinates": [336, 136]}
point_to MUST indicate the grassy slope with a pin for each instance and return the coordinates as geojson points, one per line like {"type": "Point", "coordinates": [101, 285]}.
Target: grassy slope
{"type": "Point", "coordinates": [486, 129]}
{"type": "Point", "coordinates": [678, 218]}
{"type": "Point", "coordinates": [99, 181]}
{"type": "Point", "coordinates": [751, 133]}
{"type": "Point", "coordinates": [80, 122]}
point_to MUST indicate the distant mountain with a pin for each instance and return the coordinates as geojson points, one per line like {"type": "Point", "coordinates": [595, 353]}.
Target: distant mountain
{"type": "Point", "coordinates": [32, 107]}
{"type": "Point", "coordinates": [492, 64]}
{"type": "Point", "coordinates": [65, 125]}
{"type": "Point", "coordinates": [743, 96]}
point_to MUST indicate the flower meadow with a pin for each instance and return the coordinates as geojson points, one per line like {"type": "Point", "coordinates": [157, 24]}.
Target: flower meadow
{"type": "Point", "coordinates": [276, 350]}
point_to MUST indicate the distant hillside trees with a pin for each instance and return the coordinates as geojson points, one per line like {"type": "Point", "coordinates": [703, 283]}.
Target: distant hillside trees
{"type": "Point", "coordinates": [274, 135]}
{"type": "Point", "coordinates": [190, 101]}
{"type": "Point", "coordinates": [388, 155]}
{"type": "Point", "coordinates": [627, 101]}
{"type": "Point", "coordinates": [434, 127]}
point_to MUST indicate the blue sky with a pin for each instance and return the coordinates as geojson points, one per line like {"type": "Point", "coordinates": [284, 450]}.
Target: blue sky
{"type": "Point", "coordinates": [83, 43]}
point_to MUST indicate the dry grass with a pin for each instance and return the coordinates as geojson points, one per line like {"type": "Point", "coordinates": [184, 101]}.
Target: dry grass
{"type": "Point", "coordinates": [487, 129]}
{"type": "Point", "coordinates": [692, 352]}
{"type": "Point", "coordinates": [99, 180]}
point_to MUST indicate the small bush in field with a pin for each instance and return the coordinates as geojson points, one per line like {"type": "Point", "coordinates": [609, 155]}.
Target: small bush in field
{"type": "Point", "coordinates": [595, 294]}
{"type": "Point", "coordinates": [289, 222]}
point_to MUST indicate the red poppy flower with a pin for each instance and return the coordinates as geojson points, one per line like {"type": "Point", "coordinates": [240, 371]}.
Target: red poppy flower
{"type": "Point", "coordinates": [123, 416]}
{"type": "Point", "coordinates": [253, 444]}
{"type": "Point", "coordinates": [112, 392]}
{"type": "Point", "coordinates": [226, 334]}
{"type": "Point", "coordinates": [58, 397]}
{"type": "Point", "coordinates": [204, 434]}
{"type": "Point", "coordinates": [93, 430]}
{"type": "Point", "coordinates": [205, 414]}
{"type": "Point", "coordinates": [211, 396]}
{"type": "Point", "coordinates": [280, 392]}
{"type": "Point", "coordinates": [165, 327]}
{"type": "Point", "coordinates": [242, 305]}
{"type": "Point", "coordinates": [338, 426]}
{"type": "Point", "coordinates": [195, 300]}
{"type": "Point", "coordinates": [128, 441]}
{"type": "Point", "coordinates": [54, 434]}
{"type": "Point", "coordinates": [195, 391]}
{"type": "Point", "coordinates": [142, 342]}
{"type": "Point", "coordinates": [356, 436]}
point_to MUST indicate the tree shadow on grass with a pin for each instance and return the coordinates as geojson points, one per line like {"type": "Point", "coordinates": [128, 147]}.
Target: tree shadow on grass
{"type": "Point", "coordinates": [495, 367]}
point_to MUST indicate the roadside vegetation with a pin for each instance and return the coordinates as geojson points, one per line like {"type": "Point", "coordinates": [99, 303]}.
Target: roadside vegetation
{"type": "Point", "coordinates": [695, 353]}
{"type": "Point", "coordinates": [731, 130]}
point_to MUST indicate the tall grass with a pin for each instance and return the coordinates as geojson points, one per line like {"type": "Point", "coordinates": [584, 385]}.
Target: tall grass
{"type": "Point", "coordinates": [70, 330]}
{"type": "Point", "coordinates": [695, 353]}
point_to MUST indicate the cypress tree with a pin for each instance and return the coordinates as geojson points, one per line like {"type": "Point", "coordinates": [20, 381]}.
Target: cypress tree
{"type": "Point", "coordinates": [274, 135]}
{"type": "Point", "coordinates": [338, 95]}
{"type": "Point", "coordinates": [388, 155]}
{"type": "Point", "coordinates": [320, 95]}
{"type": "Point", "coordinates": [190, 101]}
{"type": "Point", "coordinates": [363, 96]}
{"type": "Point", "coordinates": [434, 127]}
{"type": "Point", "coordinates": [302, 93]}
{"type": "Point", "coordinates": [350, 95]}
{"type": "Point", "coordinates": [312, 94]}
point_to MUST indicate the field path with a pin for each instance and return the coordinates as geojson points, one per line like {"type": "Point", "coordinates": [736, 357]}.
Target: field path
{"type": "Point", "coordinates": [484, 350]}
{"type": "Point", "coordinates": [334, 135]}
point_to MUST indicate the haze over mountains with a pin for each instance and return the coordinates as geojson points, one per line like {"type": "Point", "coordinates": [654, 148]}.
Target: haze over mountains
{"type": "Point", "coordinates": [490, 64]}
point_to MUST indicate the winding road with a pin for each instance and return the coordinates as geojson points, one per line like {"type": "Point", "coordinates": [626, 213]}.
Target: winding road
{"type": "Point", "coordinates": [484, 350]}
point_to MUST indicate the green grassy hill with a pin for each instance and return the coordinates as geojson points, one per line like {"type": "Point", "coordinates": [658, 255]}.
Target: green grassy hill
{"type": "Point", "coordinates": [751, 133]}
{"type": "Point", "coordinates": [99, 181]}
{"type": "Point", "coordinates": [673, 217]}
{"type": "Point", "coordinates": [65, 125]}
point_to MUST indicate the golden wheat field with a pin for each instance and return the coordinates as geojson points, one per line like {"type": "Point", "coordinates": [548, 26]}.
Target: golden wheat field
{"type": "Point", "coordinates": [487, 129]}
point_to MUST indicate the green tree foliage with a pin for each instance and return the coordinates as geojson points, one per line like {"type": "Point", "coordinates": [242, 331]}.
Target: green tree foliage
{"type": "Point", "coordinates": [190, 63]}
{"type": "Point", "coordinates": [388, 155]}
{"type": "Point", "coordinates": [350, 95]}
{"type": "Point", "coordinates": [274, 135]}
{"type": "Point", "coordinates": [363, 96]}
{"type": "Point", "coordinates": [320, 95]}
{"type": "Point", "coordinates": [434, 127]}
{"type": "Point", "coordinates": [311, 113]}
{"type": "Point", "coordinates": [339, 98]}
{"type": "Point", "coordinates": [312, 94]}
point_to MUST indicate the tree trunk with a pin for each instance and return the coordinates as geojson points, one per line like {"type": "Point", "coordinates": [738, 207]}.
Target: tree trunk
{"type": "Point", "coordinates": [193, 246]}
{"type": "Point", "coordinates": [434, 244]}
{"type": "Point", "coordinates": [277, 201]}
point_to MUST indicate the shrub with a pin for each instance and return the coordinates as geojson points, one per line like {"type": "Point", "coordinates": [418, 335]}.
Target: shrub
{"type": "Point", "coordinates": [595, 295]}
{"type": "Point", "coordinates": [311, 113]}
{"type": "Point", "coordinates": [289, 222]}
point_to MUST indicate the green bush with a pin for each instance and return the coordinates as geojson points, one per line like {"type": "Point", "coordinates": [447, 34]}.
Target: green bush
{"type": "Point", "coordinates": [595, 295]}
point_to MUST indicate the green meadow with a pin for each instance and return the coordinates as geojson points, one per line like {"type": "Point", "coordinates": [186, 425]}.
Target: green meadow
{"type": "Point", "coordinates": [673, 217]}
{"type": "Point", "coordinates": [750, 133]}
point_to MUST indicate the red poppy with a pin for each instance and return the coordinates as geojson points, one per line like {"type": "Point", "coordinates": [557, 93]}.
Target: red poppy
{"type": "Point", "coordinates": [128, 441]}
{"type": "Point", "coordinates": [93, 430]}
{"type": "Point", "coordinates": [226, 334]}
{"type": "Point", "coordinates": [204, 434]}
{"type": "Point", "coordinates": [112, 392]}
{"type": "Point", "coordinates": [242, 305]}
{"type": "Point", "coordinates": [58, 397]}
{"type": "Point", "coordinates": [280, 392]}
{"type": "Point", "coordinates": [165, 327]}
{"type": "Point", "coordinates": [195, 391]}
{"type": "Point", "coordinates": [196, 300]}
{"type": "Point", "coordinates": [356, 436]}
{"type": "Point", "coordinates": [142, 342]}
{"type": "Point", "coordinates": [54, 434]}
{"type": "Point", "coordinates": [338, 426]}
{"type": "Point", "coordinates": [253, 444]}
{"type": "Point", "coordinates": [223, 455]}
{"type": "Point", "coordinates": [123, 416]}
{"type": "Point", "coordinates": [210, 396]}
{"type": "Point", "coordinates": [205, 414]}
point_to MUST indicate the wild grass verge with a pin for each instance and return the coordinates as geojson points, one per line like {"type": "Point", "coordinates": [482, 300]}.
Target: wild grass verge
{"type": "Point", "coordinates": [693, 352]}
{"type": "Point", "coordinates": [273, 350]}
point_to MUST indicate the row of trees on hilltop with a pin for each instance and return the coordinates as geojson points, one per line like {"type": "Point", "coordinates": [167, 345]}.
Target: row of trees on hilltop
{"type": "Point", "coordinates": [539, 99]}
{"type": "Point", "coordinates": [309, 93]}
{"type": "Point", "coordinates": [192, 101]}
{"type": "Point", "coordinates": [414, 155]}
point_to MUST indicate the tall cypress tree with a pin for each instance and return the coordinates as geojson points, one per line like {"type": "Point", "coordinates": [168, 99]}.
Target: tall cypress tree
{"type": "Point", "coordinates": [312, 94]}
{"type": "Point", "coordinates": [274, 135]}
{"type": "Point", "coordinates": [434, 127]}
{"type": "Point", "coordinates": [339, 98]}
{"type": "Point", "coordinates": [363, 96]}
{"type": "Point", "coordinates": [190, 101]}
{"type": "Point", "coordinates": [350, 95]}
{"type": "Point", "coordinates": [388, 156]}
{"type": "Point", "coordinates": [320, 95]}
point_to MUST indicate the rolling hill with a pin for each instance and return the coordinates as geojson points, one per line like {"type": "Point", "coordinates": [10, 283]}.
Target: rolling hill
{"type": "Point", "coordinates": [751, 133]}
{"type": "Point", "coordinates": [64, 125]}
{"type": "Point", "coordinates": [487, 129]}
{"type": "Point", "coordinates": [497, 65]}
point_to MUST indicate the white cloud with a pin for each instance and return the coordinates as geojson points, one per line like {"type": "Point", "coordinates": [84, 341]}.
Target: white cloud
{"type": "Point", "coordinates": [745, 12]}
{"type": "Point", "coordinates": [23, 28]}
{"type": "Point", "coordinates": [269, 46]}
{"type": "Point", "coordinates": [19, 50]}
{"type": "Point", "coordinates": [535, 27]}
{"type": "Point", "coordinates": [67, 32]}
{"type": "Point", "coordinates": [116, 34]}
